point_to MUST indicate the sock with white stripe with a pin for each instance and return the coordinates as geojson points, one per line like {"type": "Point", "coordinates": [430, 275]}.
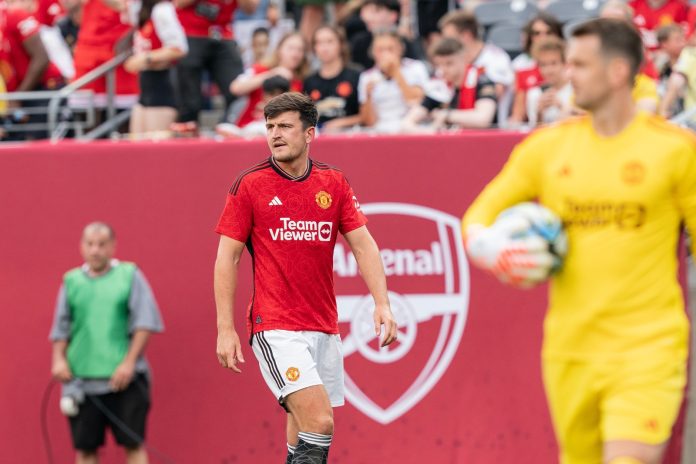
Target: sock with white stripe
{"type": "Point", "coordinates": [291, 453]}
{"type": "Point", "coordinates": [312, 448]}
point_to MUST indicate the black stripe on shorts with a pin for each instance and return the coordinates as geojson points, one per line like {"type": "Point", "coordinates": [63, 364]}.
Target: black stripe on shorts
{"type": "Point", "coordinates": [270, 360]}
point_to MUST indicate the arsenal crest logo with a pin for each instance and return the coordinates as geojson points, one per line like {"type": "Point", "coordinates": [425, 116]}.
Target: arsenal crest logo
{"type": "Point", "coordinates": [323, 199]}
{"type": "Point", "coordinates": [428, 281]}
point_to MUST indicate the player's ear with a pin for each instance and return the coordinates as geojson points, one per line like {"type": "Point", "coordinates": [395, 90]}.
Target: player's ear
{"type": "Point", "coordinates": [619, 71]}
{"type": "Point", "coordinates": [310, 133]}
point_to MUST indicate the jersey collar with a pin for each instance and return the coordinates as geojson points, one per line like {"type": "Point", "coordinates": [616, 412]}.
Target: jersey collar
{"type": "Point", "coordinates": [284, 174]}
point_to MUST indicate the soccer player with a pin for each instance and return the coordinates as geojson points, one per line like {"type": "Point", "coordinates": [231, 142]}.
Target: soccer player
{"type": "Point", "coordinates": [616, 334]}
{"type": "Point", "coordinates": [288, 211]}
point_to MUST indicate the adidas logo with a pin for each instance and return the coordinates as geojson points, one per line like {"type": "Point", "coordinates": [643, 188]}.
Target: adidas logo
{"type": "Point", "coordinates": [275, 202]}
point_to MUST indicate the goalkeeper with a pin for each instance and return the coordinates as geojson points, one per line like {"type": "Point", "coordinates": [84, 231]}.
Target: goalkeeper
{"type": "Point", "coordinates": [616, 333]}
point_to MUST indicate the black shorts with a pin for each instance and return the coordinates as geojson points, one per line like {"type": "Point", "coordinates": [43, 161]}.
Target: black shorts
{"type": "Point", "coordinates": [130, 406]}
{"type": "Point", "coordinates": [156, 89]}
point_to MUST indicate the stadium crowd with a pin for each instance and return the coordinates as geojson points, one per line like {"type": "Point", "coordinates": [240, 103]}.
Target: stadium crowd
{"type": "Point", "coordinates": [368, 64]}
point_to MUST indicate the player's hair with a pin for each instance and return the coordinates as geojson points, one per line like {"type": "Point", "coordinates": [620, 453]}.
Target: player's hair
{"type": "Point", "coordinates": [446, 47]}
{"type": "Point", "coordinates": [293, 101]}
{"type": "Point", "coordinates": [342, 41]}
{"type": "Point", "coordinates": [666, 31]}
{"type": "Point", "coordinates": [260, 31]}
{"type": "Point", "coordinates": [392, 5]}
{"type": "Point", "coordinates": [550, 20]}
{"type": "Point", "coordinates": [275, 85]}
{"type": "Point", "coordinates": [549, 44]}
{"type": "Point", "coordinates": [616, 38]}
{"type": "Point", "coordinates": [100, 225]}
{"type": "Point", "coordinates": [463, 20]}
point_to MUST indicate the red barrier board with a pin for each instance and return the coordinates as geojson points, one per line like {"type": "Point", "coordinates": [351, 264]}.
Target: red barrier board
{"type": "Point", "coordinates": [463, 385]}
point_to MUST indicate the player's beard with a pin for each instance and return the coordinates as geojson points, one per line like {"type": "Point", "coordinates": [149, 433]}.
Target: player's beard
{"type": "Point", "coordinates": [290, 156]}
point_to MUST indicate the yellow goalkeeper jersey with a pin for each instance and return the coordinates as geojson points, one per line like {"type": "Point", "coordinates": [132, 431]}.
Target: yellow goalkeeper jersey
{"type": "Point", "coordinates": [622, 200]}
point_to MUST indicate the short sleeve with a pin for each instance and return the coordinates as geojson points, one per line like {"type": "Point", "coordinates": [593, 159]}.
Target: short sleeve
{"type": "Point", "coordinates": [417, 74]}
{"type": "Point", "coordinates": [144, 312]}
{"type": "Point", "coordinates": [237, 216]}
{"type": "Point", "coordinates": [168, 27]}
{"type": "Point", "coordinates": [60, 330]}
{"type": "Point", "coordinates": [352, 216]}
{"type": "Point", "coordinates": [362, 87]}
{"type": "Point", "coordinates": [27, 25]}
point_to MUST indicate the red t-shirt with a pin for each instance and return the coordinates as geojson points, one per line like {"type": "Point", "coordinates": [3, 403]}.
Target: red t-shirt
{"type": "Point", "coordinates": [18, 26]}
{"type": "Point", "coordinates": [208, 18]}
{"type": "Point", "coordinates": [290, 227]}
{"type": "Point", "coordinates": [101, 26]}
{"type": "Point", "coordinates": [255, 96]}
{"type": "Point", "coordinates": [48, 12]}
{"type": "Point", "coordinates": [648, 20]}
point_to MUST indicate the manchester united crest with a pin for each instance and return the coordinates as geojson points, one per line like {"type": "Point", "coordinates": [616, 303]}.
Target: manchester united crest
{"type": "Point", "coordinates": [323, 199]}
{"type": "Point", "coordinates": [292, 374]}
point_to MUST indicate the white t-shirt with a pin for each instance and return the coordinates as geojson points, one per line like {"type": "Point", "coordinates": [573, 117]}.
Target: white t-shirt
{"type": "Point", "coordinates": [389, 103]}
{"type": "Point", "coordinates": [551, 114]}
{"type": "Point", "coordinates": [496, 63]}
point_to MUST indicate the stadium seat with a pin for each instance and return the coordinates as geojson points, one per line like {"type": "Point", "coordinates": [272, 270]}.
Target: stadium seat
{"type": "Point", "coordinates": [570, 25]}
{"type": "Point", "coordinates": [572, 10]}
{"type": "Point", "coordinates": [496, 11]}
{"type": "Point", "coordinates": [506, 36]}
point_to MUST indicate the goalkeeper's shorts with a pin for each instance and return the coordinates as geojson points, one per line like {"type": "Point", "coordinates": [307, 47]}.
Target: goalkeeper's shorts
{"type": "Point", "coordinates": [599, 401]}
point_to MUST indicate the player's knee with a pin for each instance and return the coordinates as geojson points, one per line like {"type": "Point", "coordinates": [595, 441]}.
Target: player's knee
{"type": "Point", "coordinates": [321, 423]}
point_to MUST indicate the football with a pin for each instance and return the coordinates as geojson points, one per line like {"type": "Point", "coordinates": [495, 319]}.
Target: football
{"type": "Point", "coordinates": [533, 219]}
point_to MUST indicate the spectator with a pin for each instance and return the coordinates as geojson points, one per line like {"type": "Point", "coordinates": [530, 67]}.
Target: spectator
{"type": "Point", "coordinates": [289, 61]}
{"type": "Point", "coordinates": [494, 61]}
{"type": "Point", "coordinates": [527, 73]}
{"type": "Point", "coordinates": [469, 100]}
{"type": "Point", "coordinates": [27, 56]}
{"type": "Point", "coordinates": [386, 91]}
{"type": "Point", "coordinates": [271, 87]}
{"type": "Point", "coordinates": [260, 42]}
{"type": "Point", "coordinates": [681, 84]}
{"type": "Point", "coordinates": [378, 15]}
{"type": "Point", "coordinates": [159, 42]}
{"type": "Point", "coordinates": [208, 28]}
{"type": "Point", "coordinates": [105, 26]}
{"type": "Point", "coordinates": [645, 86]}
{"type": "Point", "coordinates": [553, 100]}
{"type": "Point", "coordinates": [104, 316]}
{"type": "Point", "coordinates": [69, 24]}
{"type": "Point", "coordinates": [28, 67]}
{"type": "Point", "coordinates": [672, 40]}
{"type": "Point", "coordinates": [313, 15]}
{"type": "Point", "coordinates": [334, 87]}
{"type": "Point", "coordinates": [649, 15]}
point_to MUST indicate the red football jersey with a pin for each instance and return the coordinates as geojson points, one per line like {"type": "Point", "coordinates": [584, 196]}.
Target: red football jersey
{"type": "Point", "coordinates": [49, 11]}
{"type": "Point", "coordinates": [101, 26]}
{"type": "Point", "coordinates": [208, 18]}
{"type": "Point", "coordinates": [18, 26]}
{"type": "Point", "coordinates": [648, 20]}
{"type": "Point", "coordinates": [290, 227]}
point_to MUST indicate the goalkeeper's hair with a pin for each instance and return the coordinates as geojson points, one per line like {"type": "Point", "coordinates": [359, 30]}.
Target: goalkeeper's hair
{"type": "Point", "coordinates": [616, 38]}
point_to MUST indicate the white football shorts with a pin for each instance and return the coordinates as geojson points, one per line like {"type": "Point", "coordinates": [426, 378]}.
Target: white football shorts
{"type": "Point", "coordinates": [293, 360]}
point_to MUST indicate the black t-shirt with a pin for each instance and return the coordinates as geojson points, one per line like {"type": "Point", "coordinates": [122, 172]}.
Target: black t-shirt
{"type": "Point", "coordinates": [336, 97]}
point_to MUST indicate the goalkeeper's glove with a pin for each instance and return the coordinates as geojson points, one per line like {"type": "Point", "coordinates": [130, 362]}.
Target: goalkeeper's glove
{"type": "Point", "coordinates": [508, 252]}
